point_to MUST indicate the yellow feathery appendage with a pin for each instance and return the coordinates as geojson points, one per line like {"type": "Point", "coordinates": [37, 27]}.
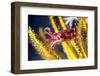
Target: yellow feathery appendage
{"type": "Point", "coordinates": [41, 33]}
{"type": "Point", "coordinates": [85, 23]}
{"type": "Point", "coordinates": [67, 49]}
{"type": "Point", "coordinates": [53, 24]}
{"type": "Point", "coordinates": [62, 23]}
{"type": "Point", "coordinates": [80, 27]}
{"type": "Point", "coordinates": [76, 47]}
{"type": "Point", "coordinates": [41, 48]}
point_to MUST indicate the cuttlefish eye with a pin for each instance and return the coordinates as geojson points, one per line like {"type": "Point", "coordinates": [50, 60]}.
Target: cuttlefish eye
{"type": "Point", "coordinates": [47, 29]}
